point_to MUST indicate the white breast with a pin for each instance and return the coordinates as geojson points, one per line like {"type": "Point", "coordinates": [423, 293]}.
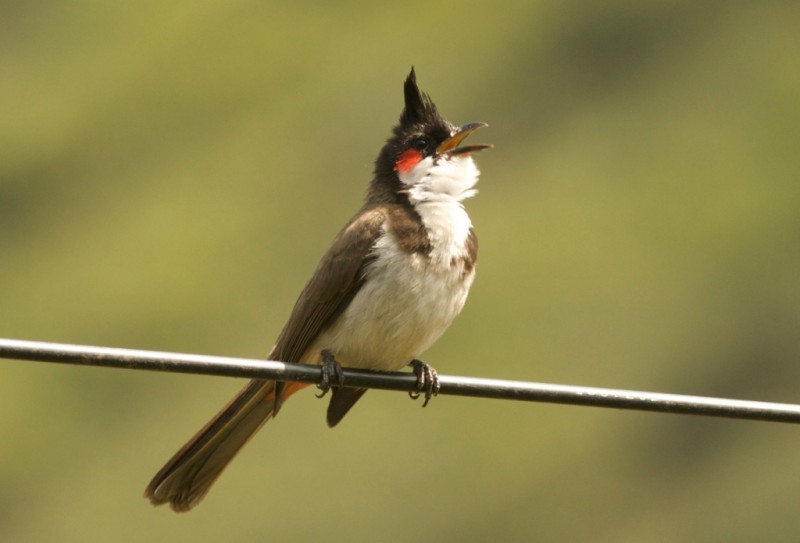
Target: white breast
{"type": "Point", "coordinates": [407, 301]}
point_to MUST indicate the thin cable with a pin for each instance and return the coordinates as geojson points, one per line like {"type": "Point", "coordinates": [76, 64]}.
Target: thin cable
{"type": "Point", "coordinates": [450, 385]}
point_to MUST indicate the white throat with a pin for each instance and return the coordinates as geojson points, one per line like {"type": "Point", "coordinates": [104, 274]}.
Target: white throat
{"type": "Point", "coordinates": [441, 179]}
{"type": "Point", "coordinates": [436, 188]}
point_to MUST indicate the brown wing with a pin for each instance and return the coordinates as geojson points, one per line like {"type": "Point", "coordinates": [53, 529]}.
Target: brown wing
{"type": "Point", "coordinates": [335, 282]}
{"type": "Point", "coordinates": [186, 478]}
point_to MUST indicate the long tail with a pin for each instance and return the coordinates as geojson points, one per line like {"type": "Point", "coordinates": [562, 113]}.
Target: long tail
{"type": "Point", "coordinates": [189, 474]}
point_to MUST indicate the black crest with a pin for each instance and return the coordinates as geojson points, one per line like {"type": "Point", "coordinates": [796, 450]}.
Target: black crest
{"type": "Point", "coordinates": [419, 108]}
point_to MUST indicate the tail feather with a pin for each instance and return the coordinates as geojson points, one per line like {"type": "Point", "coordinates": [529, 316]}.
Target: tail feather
{"type": "Point", "coordinates": [189, 474]}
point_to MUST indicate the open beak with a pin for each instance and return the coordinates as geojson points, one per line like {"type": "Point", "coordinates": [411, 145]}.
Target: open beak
{"type": "Point", "coordinates": [451, 144]}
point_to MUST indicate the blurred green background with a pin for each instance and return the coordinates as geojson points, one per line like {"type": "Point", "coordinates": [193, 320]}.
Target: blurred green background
{"type": "Point", "coordinates": [170, 173]}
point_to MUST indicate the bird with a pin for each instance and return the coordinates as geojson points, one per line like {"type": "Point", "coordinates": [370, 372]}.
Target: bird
{"type": "Point", "coordinates": [387, 288]}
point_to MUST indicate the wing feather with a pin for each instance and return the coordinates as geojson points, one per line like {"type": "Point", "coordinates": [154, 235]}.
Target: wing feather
{"type": "Point", "coordinates": [334, 284]}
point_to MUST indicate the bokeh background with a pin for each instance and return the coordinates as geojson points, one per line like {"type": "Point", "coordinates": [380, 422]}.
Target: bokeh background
{"type": "Point", "coordinates": [170, 173]}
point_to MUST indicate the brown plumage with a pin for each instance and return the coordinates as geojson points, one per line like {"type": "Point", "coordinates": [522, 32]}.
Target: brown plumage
{"type": "Point", "coordinates": [386, 246]}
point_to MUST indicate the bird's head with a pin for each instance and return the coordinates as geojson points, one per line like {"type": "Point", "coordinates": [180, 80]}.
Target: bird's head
{"type": "Point", "coordinates": [424, 158]}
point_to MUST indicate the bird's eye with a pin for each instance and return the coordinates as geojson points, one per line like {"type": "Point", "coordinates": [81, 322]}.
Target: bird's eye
{"type": "Point", "coordinates": [420, 143]}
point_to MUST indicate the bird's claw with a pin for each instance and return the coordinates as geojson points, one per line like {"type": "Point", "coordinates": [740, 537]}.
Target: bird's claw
{"type": "Point", "coordinates": [330, 369]}
{"type": "Point", "coordinates": [427, 381]}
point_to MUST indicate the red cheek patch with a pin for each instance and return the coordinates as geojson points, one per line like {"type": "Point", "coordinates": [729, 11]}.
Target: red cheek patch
{"type": "Point", "coordinates": [407, 160]}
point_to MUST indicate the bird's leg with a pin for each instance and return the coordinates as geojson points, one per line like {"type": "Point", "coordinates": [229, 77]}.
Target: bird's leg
{"type": "Point", "coordinates": [330, 368]}
{"type": "Point", "coordinates": [427, 381]}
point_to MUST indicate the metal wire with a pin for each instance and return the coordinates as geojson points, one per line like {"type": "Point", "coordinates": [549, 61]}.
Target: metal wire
{"type": "Point", "coordinates": [450, 385]}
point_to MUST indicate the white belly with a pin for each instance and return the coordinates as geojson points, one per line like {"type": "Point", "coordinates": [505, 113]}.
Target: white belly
{"type": "Point", "coordinates": [405, 304]}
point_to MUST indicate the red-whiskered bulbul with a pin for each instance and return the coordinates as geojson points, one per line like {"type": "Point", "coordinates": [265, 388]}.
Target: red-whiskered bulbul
{"type": "Point", "coordinates": [391, 283]}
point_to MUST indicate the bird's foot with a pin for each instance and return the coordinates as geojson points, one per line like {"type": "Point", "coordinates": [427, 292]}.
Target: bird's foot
{"type": "Point", "coordinates": [427, 381]}
{"type": "Point", "coordinates": [330, 369]}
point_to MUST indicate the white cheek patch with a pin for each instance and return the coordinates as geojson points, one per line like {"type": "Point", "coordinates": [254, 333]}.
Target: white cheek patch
{"type": "Point", "coordinates": [413, 176]}
{"type": "Point", "coordinates": [449, 177]}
